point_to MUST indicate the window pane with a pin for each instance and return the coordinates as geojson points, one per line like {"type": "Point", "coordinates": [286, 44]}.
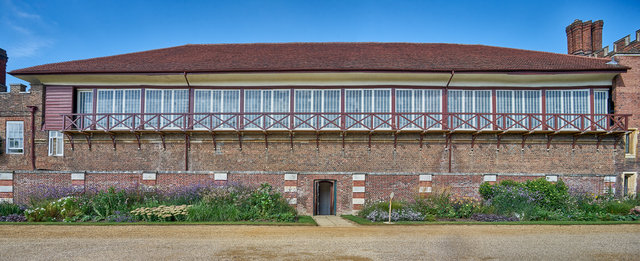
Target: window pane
{"type": "Point", "coordinates": [331, 104]}
{"type": "Point", "coordinates": [202, 104]}
{"type": "Point", "coordinates": [85, 106]}
{"type": "Point", "coordinates": [15, 137]}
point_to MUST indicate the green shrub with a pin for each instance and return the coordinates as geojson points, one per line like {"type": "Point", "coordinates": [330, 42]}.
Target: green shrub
{"type": "Point", "coordinates": [7, 208]}
{"type": "Point", "coordinates": [106, 203]}
{"type": "Point", "coordinates": [66, 209]}
{"type": "Point", "coordinates": [617, 207]}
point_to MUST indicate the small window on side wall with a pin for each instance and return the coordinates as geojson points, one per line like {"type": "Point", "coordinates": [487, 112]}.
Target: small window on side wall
{"type": "Point", "coordinates": [56, 143]}
{"type": "Point", "coordinates": [15, 137]}
{"type": "Point", "coordinates": [630, 143]}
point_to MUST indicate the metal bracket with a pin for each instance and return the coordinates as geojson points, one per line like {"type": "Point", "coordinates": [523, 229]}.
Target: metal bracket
{"type": "Point", "coordinates": [291, 139]}
{"type": "Point", "coordinates": [164, 145]}
{"type": "Point", "coordinates": [395, 141]}
{"type": "Point", "coordinates": [138, 139]}
{"type": "Point", "coordinates": [599, 141]}
{"type": "Point", "coordinates": [499, 138]}
{"type": "Point", "coordinates": [573, 142]}
{"type": "Point", "coordinates": [617, 140]}
{"type": "Point", "coordinates": [473, 140]}
{"type": "Point", "coordinates": [266, 141]}
{"type": "Point", "coordinates": [524, 140]}
{"type": "Point", "coordinates": [113, 140]}
{"type": "Point", "coordinates": [447, 141]}
{"type": "Point", "coordinates": [549, 138]}
{"type": "Point", "coordinates": [317, 141]}
{"type": "Point", "coordinates": [213, 139]}
{"type": "Point", "coordinates": [421, 139]}
{"type": "Point", "coordinates": [343, 134]}
{"type": "Point", "coordinates": [70, 137]}
{"type": "Point", "coordinates": [88, 137]}
{"type": "Point", "coordinates": [369, 144]}
{"type": "Point", "coordinates": [240, 141]}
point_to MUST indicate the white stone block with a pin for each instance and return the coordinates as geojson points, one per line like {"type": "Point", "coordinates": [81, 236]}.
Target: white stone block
{"type": "Point", "coordinates": [8, 200]}
{"type": "Point", "coordinates": [220, 176]}
{"type": "Point", "coordinates": [359, 176]}
{"type": "Point", "coordinates": [610, 179]}
{"type": "Point", "coordinates": [290, 176]}
{"type": "Point", "coordinates": [292, 201]}
{"type": "Point", "coordinates": [6, 176]}
{"type": "Point", "coordinates": [425, 177]}
{"type": "Point", "coordinates": [490, 178]}
{"type": "Point", "coordinates": [77, 176]}
{"type": "Point", "coordinates": [358, 201]}
{"type": "Point", "coordinates": [552, 178]}
{"type": "Point", "coordinates": [358, 189]}
{"type": "Point", "coordinates": [148, 176]}
{"type": "Point", "coordinates": [6, 188]}
{"type": "Point", "coordinates": [290, 189]}
{"type": "Point", "coordinates": [425, 190]}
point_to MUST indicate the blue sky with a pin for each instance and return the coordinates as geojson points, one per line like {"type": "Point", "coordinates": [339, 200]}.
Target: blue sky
{"type": "Point", "coordinates": [46, 31]}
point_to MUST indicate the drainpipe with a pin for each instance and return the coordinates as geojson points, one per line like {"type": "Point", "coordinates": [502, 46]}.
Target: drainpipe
{"type": "Point", "coordinates": [446, 89]}
{"type": "Point", "coordinates": [33, 136]}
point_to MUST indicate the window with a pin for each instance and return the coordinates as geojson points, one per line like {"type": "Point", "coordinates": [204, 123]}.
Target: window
{"type": "Point", "coordinates": [259, 102]}
{"type": "Point", "coordinates": [567, 102]}
{"type": "Point", "coordinates": [465, 104]}
{"type": "Point", "coordinates": [56, 143]}
{"type": "Point", "coordinates": [413, 102]}
{"type": "Point", "coordinates": [630, 143]}
{"type": "Point", "coordinates": [15, 137]}
{"type": "Point", "coordinates": [512, 104]}
{"type": "Point", "coordinates": [601, 106]}
{"type": "Point", "coordinates": [117, 102]}
{"type": "Point", "coordinates": [85, 105]}
{"type": "Point", "coordinates": [222, 103]}
{"type": "Point", "coordinates": [317, 101]}
{"type": "Point", "coordinates": [171, 104]}
{"type": "Point", "coordinates": [368, 101]}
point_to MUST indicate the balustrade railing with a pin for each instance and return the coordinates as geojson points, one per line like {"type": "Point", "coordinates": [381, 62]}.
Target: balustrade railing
{"type": "Point", "coordinates": [343, 121]}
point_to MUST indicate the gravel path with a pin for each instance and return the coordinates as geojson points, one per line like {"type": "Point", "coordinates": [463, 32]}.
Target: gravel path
{"type": "Point", "coordinates": [431, 242]}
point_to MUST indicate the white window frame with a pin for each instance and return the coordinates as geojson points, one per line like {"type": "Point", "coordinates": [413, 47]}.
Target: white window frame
{"type": "Point", "coordinates": [123, 108]}
{"type": "Point", "coordinates": [10, 137]}
{"type": "Point", "coordinates": [523, 108]}
{"type": "Point", "coordinates": [174, 125]}
{"type": "Point", "coordinates": [223, 109]}
{"type": "Point", "coordinates": [277, 115]}
{"type": "Point", "coordinates": [465, 108]}
{"type": "Point", "coordinates": [56, 143]}
{"type": "Point", "coordinates": [572, 106]}
{"type": "Point", "coordinates": [422, 109]}
{"type": "Point", "coordinates": [373, 107]}
{"type": "Point", "coordinates": [323, 110]}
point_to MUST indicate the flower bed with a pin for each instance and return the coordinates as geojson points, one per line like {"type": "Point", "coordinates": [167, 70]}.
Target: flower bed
{"type": "Point", "coordinates": [194, 203]}
{"type": "Point", "coordinates": [534, 200]}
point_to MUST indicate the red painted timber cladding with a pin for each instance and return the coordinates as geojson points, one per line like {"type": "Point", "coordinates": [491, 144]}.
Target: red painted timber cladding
{"type": "Point", "coordinates": [58, 100]}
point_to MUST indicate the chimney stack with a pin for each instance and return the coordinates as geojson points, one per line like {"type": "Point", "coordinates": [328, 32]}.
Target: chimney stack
{"type": "Point", "coordinates": [584, 38]}
{"type": "Point", "coordinates": [3, 70]}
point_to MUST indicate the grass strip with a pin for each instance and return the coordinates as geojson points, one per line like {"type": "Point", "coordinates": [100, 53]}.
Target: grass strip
{"type": "Point", "coordinates": [302, 221]}
{"type": "Point", "coordinates": [364, 221]}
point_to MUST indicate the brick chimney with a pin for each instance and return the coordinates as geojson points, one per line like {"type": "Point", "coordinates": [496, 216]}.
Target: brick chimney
{"type": "Point", "coordinates": [584, 38]}
{"type": "Point", "coordinates": [3, 70]}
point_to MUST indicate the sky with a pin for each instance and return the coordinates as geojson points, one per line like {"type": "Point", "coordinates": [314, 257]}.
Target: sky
{"type": "Point", "coordinates": [47, 31]}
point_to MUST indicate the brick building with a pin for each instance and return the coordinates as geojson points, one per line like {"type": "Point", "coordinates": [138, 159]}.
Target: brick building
{"type": "Point", "coordinates": [585, 38]}
{"type": "Point", "coordinates": [331, 125]}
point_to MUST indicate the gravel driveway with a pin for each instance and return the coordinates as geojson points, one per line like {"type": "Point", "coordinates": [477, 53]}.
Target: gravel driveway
{"type": "Point", "coordinates": [431, 242]}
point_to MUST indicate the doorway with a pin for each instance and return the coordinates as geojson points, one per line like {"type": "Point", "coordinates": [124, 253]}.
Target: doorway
{"type": "Point", "coordinates": [325, 195]}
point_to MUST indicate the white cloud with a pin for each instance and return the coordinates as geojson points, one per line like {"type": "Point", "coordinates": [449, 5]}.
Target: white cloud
{"type": "Point", "coordinates": [28, 48]}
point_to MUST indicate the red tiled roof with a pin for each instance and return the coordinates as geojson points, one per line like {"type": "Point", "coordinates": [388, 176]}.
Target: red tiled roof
{"type": "Point", "coordinates": [265, 57]}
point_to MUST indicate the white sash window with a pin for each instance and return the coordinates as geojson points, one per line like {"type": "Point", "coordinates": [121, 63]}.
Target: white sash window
{"type": "Point", "coordinates": [418, 101]}
{"type": "Point", "coordinates": [56, 143]}
{"type": "Point", "coordinates": [171, 104]}
{"type": "Point", "coordinates": [220, 103]}
{"type": "Point", "coordinates": [257, 103]}
{"type": "Point", "coordinates": [15, 137]}
{"type": "Point", "coordinates": [567, 102]}
{"type": "Point", "coordinates": [117, 101]}
{"type": "Point", "coordinates": [368, 101]}
{"type": "Point", "coordinates": [317, 101]}
{"type": "Point", "coordinates": [466, 104]}
{"type": "Point", "coordinates": [511, 104]}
